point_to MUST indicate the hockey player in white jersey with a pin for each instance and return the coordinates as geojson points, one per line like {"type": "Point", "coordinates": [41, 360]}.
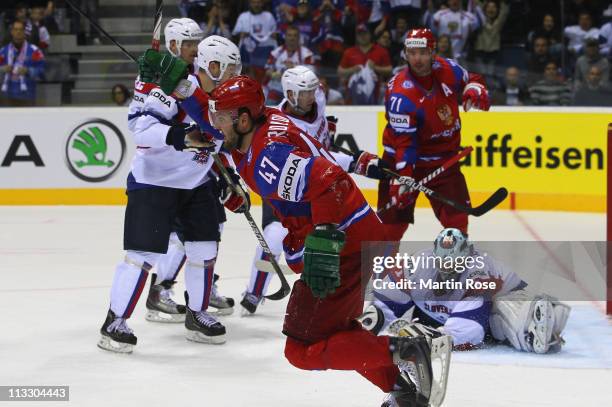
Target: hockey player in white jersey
{"type": "Point", "coordinates": [214, 55]}
{"type": "Point", "coordinates": [170, 179]}
{"type": "Point", "coordinates": [304, 103]}
{"type": "Point", "coordinates": [450, 300]}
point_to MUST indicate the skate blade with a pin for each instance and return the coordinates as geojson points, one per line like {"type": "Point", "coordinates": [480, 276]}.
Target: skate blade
{"type": "Point", "coordinates": [108, 344]}
{"type": "Point", "coordinates": [440, 359]}
{"type": "Point", "coordinates": [220, 311]}
{"type": "Point", "coordinates": [158, 316]}
{"type": "Point", "coordinates": [246, 313]}
{"type": "Point", "coordinates": [199, 337]}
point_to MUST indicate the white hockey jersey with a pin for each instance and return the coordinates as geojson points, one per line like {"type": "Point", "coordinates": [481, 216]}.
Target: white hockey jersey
{"type": "Point", "coordinates": [456, 24]}
{"type": "Point", "coordinates": [463, 312]}
{"type": "Point", "coordinates": [318, 127]}
{"type": "Point", "coordinates": [151, 114]}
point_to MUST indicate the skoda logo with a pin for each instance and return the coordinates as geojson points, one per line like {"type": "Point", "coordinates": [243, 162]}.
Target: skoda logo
{"type": "Point", "coordinates": [95, 150]}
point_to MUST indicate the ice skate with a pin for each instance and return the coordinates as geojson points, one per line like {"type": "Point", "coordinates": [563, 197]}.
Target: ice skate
{"type": "Point", "coordinates": [249, 303]}
{"type": "Point", "coordinates": [223, 305]}
{"type": "Point", "coordinates": [203, 327]}
{"type": "Point", "coordinates": [160, 305]}
{"type": "Point", "coordinates": [116, 335]}
{"type": "Point", "coordinates": [413, 351]}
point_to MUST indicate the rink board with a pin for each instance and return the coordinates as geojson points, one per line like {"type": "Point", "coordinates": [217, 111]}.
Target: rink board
{"type": "Point", "coordinates": [549, 159]}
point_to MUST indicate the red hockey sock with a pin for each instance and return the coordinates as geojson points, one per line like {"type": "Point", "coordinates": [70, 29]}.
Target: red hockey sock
{"type": "Point", "coordinates": [356, 349]}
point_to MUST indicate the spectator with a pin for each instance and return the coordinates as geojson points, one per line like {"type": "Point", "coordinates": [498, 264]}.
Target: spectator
{"type": "Point", "coordinates": [217, 22]}
{"type": "Point", "coordinates": [373, 13]}
{"type": "Point", "coordinates": [605, 38]}
{"type": "Point", "coordinates": [456, 23]}
{"type": "Point", "coordinates": [591, 58]}
{"type": "Point", "coordinates": [304, 21]}
{"type": "Point", "coordinates": [282, 11]}
{"type": "Point", "coordinates": [330, 41]}
{"type": "Point", "coordinates": [488, 40]}
{"type": "Point", "coordinates": [284, 57]}
{"type": "Point", "coordinates": [398, 34]}
{"type": "Point", "coordinates": [36, 32]}
{"type": "Point", "coordinates": [121, 95]}
{"type": "Point", "coordinates": [538, 59]}
{"type": "Point", "coordinates": [594, 92]}
{"type": "Point", "coordinates": [384, 40]}
{"type": "Point", "coordinates": [576, 34]}
{"type": "Point", "coordinates": [22, 64]}
{"type": "Point", "coordinates": [257, 31]}
{"type": "Point", "coordinates": [363, 66]}
{"type": "Point", "coordinates": [21, 13]}
{"type": "Point", "coordinates": [512, 92]}
{"type": "Point", "coordinates": [332, 96]}
{"type": "Point", "coordinates": [194, 9]}
{"type": "Point", "coordinates": [410, 10]}
{"type": "Point", "coordinates": [552, 90]}
{"type": "Point", "coordinates": [445, 46]}
{"type": "Point", "coordinates": [549, 31]}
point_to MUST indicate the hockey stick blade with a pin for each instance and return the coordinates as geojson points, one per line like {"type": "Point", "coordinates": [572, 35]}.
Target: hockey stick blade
{"type": "Point", "coordinates": [494, 200]}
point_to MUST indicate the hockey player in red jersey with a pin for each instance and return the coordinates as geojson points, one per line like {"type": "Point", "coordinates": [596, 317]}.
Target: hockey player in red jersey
{"type": "Point", "coordinates": [328, 218]}
{"type": "Point", "coordinates": [424, 130]}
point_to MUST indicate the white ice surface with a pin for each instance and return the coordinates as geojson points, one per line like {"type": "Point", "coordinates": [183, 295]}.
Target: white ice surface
{"type": "Point", "coordinates": [57, 263]}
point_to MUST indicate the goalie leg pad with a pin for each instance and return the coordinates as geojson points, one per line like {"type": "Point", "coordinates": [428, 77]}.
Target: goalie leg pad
{"type": "Point", "coordinates": [529, 323]}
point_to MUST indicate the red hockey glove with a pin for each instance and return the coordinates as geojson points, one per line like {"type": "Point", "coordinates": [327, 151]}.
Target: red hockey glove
{"type": "Point", "coordinates": [476, 95]}
{"type": "Point", "coordinates": [402, 195]}
{"type": "Point", "coordinates": [369, 165]}
{"type": "Point", "coordinates": [235, 202]}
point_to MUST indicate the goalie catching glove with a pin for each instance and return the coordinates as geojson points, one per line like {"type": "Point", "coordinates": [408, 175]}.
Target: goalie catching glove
{"type": "Point", "coordinates": [235, 198]}
{"type": "Point", "coordinates": [322, 259]}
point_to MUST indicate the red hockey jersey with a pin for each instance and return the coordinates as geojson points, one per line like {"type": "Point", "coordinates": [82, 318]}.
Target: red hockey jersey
{"type": "Point", "coordinates": [303, 184]}
{"type": "Point", "coordinates": [423, 126]}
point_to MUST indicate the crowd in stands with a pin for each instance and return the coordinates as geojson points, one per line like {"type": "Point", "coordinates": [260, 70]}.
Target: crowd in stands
{"type": "Point", "coordinates": [532, 52]}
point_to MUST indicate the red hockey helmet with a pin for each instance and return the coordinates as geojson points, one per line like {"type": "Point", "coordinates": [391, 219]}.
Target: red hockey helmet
{"type": "Point", "coordinates": [420, 38]}
{"type": "Point", "coordinates": [239, 91]}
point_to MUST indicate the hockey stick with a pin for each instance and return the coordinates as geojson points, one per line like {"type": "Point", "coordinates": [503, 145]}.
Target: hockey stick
{"type": "Point", "coordinates": [102, 30]}
{"type": "Point", "coordinates": [268, 267]}
{"type": "Point", "coordinates": [157, 22]}
{"type": "Point", "coordinates": [463, 153]}
{"type": "Point", "coordinates": [495, 199]}
{"type": "Point", "coordinates": [285, 288]}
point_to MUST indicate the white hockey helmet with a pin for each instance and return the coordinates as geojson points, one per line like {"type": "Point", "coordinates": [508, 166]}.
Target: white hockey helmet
{"type": "Point", "coordinates": [450, 244]}
{"type": "Point", "coordinates": [297, 79]}
{"type": "Point", "coordinates": [179, 30]}
{"type": "Point", "coordinates": [215, 48]}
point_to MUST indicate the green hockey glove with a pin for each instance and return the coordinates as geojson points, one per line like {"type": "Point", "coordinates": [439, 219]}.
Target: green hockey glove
{"type": "Point", "coordinates": [322, 259]}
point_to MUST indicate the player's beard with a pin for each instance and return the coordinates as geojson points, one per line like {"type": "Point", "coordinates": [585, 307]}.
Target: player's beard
{"type": "Point", "coordinates": [230, 141]}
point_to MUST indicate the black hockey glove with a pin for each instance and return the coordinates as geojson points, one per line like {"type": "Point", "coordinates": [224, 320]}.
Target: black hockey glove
{"type": "Point", "coordinates": [183, 137]}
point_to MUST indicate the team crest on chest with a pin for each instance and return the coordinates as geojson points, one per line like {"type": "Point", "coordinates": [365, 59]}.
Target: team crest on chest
{"type": "Point", "coordinates": [201, 157]}
{"type": "Point", "coordinates": [445, 114]}
{"type": "Point", "coordinates": [407, 85]}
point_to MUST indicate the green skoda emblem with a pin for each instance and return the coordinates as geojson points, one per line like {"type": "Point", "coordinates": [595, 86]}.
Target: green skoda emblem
{"type": "Point", "coordinates": [95, 150]}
